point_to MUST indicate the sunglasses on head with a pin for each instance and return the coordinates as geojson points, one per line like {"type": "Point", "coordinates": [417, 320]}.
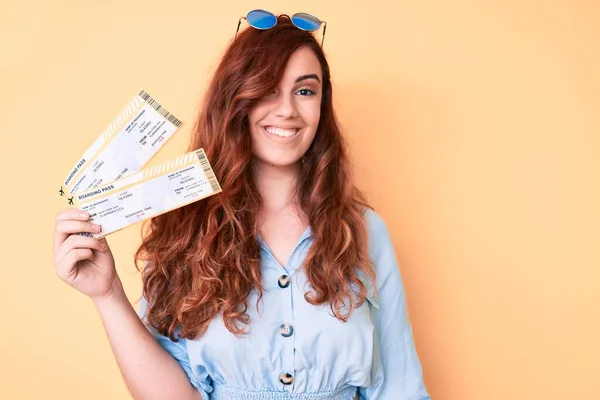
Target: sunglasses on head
{"type": "Point", "coordinates": [263, 19]}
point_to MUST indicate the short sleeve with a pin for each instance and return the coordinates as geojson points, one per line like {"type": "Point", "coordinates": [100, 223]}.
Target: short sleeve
{"type": "Point", "coordinates": [197, 376]}
{"type": "Point", "coordinates": [396, 370]}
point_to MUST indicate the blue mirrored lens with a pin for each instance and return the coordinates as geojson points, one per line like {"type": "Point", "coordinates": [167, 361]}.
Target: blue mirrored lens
{"type": "Point", "coordinates": [261, 19]}
{"type": "Point", "coordinates": [306, 21]}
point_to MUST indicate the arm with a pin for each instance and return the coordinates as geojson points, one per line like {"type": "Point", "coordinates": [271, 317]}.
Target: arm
{"type": "Point", "coordinates": [149, 371]}
{"type": "Point", "coordinates": [397, 373]}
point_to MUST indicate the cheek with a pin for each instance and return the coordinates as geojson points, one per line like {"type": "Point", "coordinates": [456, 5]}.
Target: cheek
{"type": "Point", "coordinates": [257, 114]}
{"type": "Point", "coordinates": [311, 115]}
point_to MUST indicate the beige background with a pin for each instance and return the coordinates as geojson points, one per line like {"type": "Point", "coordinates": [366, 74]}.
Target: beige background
{"type": "Point", "coordinates": [475, 132]}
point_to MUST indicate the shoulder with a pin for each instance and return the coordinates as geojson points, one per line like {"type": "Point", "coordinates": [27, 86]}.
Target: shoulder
{"type": "Point", "coordinates": [374, 221]}
{"type": "Point", "coordinates": [381, 248]}
{"type": "Point", "coordinates": [377, 232]}
{"type": "Point", "coordinates": [381, 253]}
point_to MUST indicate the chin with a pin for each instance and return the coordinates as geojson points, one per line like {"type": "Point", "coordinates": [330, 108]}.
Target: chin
{"type": "Point", "coordinates": [279, 163]}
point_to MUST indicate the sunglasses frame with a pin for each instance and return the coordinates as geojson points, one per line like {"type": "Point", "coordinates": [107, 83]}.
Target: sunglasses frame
{"type": "Point", "coordinates": [322, 23]}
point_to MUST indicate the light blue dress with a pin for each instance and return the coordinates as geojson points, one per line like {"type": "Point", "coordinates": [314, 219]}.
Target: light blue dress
{"type": "Point", "coordinates": [295, 350]}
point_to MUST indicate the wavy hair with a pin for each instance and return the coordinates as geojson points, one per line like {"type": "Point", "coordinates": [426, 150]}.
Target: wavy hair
{"type": "Point", "coordinates": [204, 259]}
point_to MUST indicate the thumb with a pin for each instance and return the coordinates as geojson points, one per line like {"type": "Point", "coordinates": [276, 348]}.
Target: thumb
{"type": "Point", "coordinates": [104, 244]}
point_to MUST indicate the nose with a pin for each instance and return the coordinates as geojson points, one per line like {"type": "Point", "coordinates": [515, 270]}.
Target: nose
{"type": "Point", "coordinates": [284, 106]}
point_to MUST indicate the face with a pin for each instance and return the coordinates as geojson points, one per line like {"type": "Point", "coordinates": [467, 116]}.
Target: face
{"type": "Point", "coordinates": [284, 124]}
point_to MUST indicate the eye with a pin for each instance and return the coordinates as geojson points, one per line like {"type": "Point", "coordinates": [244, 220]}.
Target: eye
{"type": "Point", "coordinates": [306, 92]}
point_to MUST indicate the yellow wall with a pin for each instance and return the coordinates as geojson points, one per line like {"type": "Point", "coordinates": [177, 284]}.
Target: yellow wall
{"type": "Point", "coordinates": [475, 129]}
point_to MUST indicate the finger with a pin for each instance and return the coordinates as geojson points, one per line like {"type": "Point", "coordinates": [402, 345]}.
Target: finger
{"type": "Point", "coordinates": [72, 214]}
{"type": "Point", "coordinates": [77, 242]}
{"type": "Point", "coordinates": [67, 215]}
{"type": "Point", "coordinates": [68, 227]}
{"type": "Point", "coordinates": [65, 268]}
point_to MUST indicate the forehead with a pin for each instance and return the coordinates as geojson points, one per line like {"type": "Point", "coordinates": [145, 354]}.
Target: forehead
{"type": "Point", "coordinates": [302, 62]}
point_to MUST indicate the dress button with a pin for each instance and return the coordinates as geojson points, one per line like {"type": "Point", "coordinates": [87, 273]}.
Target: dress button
{"type": "Point", "coordinates": [284, 281]}
{"type": "Point", "coordinates": [286, 378]}
{"type": "Point", "coordinates": [286, 330]}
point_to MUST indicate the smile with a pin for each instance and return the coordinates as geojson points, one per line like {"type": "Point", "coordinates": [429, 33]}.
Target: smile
{"type": "Point", "coordinates": [286, 133]}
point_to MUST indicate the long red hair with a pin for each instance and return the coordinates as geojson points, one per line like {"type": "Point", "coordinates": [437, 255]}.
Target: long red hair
{"type": "Point", "coordinates": [204, 259]}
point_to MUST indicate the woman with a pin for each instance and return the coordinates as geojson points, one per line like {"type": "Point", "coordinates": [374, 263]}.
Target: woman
{"type": "Point", "coordinates": [283, 286]}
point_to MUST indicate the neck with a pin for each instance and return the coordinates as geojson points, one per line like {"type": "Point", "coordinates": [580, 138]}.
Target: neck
{"type": "Point", "coordinates": [276, 185]}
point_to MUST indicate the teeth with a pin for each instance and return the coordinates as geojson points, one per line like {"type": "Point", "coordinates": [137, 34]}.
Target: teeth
{"type": "Point", "coordinates": [281, 132]}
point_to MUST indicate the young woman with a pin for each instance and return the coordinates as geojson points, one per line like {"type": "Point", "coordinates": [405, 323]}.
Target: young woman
{"type": "Point", "coordinates": [283, 286]}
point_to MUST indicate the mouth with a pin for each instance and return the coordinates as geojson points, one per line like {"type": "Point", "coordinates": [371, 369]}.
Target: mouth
{"type": "Point", "coordinates": [281, 132]}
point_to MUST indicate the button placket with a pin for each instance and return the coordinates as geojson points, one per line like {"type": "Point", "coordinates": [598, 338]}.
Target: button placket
{"type": "Point", "coordinates": [286, 331]}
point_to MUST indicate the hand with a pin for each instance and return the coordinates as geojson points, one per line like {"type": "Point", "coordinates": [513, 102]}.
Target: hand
{"type": "Point", "coordinates": [86, 263]}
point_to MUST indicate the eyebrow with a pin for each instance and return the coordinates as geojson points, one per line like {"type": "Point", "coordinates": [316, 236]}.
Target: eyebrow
{"type": "Point", "coordinates": [309, 76]}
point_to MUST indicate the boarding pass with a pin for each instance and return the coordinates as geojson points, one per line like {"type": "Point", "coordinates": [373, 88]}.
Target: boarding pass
{"type": "Point", "coordinates": [125, 146]}
{"type": "Point", "coordinates": [149, 192]}
{"type": "Point", "coordinates": [110, 180]}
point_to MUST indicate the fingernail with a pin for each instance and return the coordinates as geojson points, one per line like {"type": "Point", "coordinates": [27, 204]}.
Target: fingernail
{"type": "Point", "coordinates": [84, 215]}
{"type": "Point", "coordinates": [97, 228]}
